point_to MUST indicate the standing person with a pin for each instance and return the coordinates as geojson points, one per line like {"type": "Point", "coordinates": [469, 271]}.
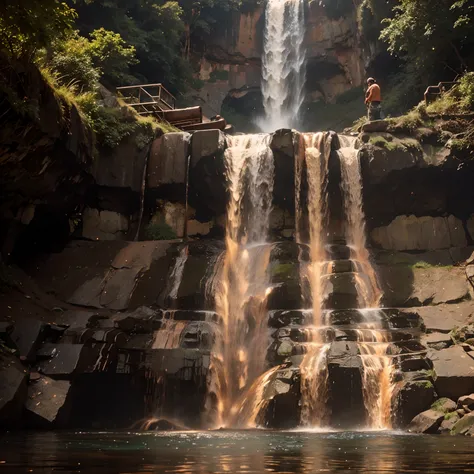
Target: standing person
{"type": "Point", "coordinates": [373, 100]}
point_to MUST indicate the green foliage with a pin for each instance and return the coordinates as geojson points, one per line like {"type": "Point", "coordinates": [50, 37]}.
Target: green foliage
{"type": "Point", "coordinates": [429, 31]}
{"type": "Point", "coordinates": [111, 55]}
{"type": "Point", "coordinates": [28, 25]}
{"type": "Point", "coordinates": [159, 231]}
{"type": "Point", "coordinates": [72, 62]}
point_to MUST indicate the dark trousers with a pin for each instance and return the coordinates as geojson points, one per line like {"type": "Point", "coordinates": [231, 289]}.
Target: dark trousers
{"type": "Point", "coordinates": [374, 111]}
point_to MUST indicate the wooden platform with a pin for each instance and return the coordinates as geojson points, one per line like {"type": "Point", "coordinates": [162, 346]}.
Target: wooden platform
{"type": "Point", "coordinates": [156, 101]}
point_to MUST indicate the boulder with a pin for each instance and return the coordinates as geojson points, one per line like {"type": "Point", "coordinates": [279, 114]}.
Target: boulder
{"type": "Point", "coordinates": [450, 420]}
{"type": "Point", "coordinates": [410, 398]}
{"type": "Point", "coordinates": [143, 320]}
{"type": "Point", "coordinates": [427, 286]}
{"type": "Point", "coordinates": [444, 318]}
{"type": "Point", "coordinates": [454, 371]}
{"type": "Point", "coordinates": [465, 426]}
{"type": "Point", "coordinates": [168, 160]}
{"type": "Point", "coordinates": [48, 403]}
{"type": "Point", "coordinates": [27, 336]}
{"type": "Point", "coordinates": [340, 290]}
{"type": "Point", "coordinates": [13, 391]}
{"type": "Point", "coordinates": [103, 225]}
{"type": "Point", "coordinates": [466, 402]}
{"type": "Point", "coordinates": [375, 126]}
{"type": "Point", "coordinates": [437, 340]}
{"type": "Point", "coordinates": [444, 405]}
{"type": "Point", "coordinates": [206, 143]}
{"type": "Point", "coordinates": [282, 142]}
{"type": "Point", "coordinates": [122, 166]}
{"type": "Point", "coordinates": [420, 233]}
{"type": "Point", "coordinates": [426, 422]}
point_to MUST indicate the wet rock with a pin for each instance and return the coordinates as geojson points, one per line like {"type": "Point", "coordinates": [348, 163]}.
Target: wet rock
{"type": "Point", "coordinates": [79, 319]}
{"type": "Point", "coordinates": [143, 320]}
{"type": "Point", "coordinates": [340, 290]}
{"type": "Point", "coordinates": [167, 160]}
{"type": "Point", "coordinates": [411, 398]}
{"type": "Point", "coordinates": [279, 319]}
{"type": "Point", "coordinates": [345, 375]}
{"type": "Point", "coordinates": [437, 340]}
{"type": "Point", "coordinates": [27, 336]}
{"type": "Point", "coordinates": [454, 372]}
{"type": "Point", "coordinates": [65, 359]}
{"type": "Point", "coordinates": [339, 251]}
{"type": "Point", "coordinates": [104, 225]}
{"type": "Point", "coordinates": [415, 363]}
{"type": "Point", "coordinates": [282, 142]}
{"type": "Point", "coordinates": [13, 391]}
{"type": "Point", "coordinates": [426, 422]}
{"type": "Point", "coordinates": [465, 426]}
{"type": "Point", "coordinates": [48, 403]}
{"type": "Point", "coordinates": [450, 420]}
{"type": "Point", "coordinates": [341, 266]}
{"type": "Point", "coordinates": [198, 335]}
{"type": "Point", "coordinates": [184, 364]}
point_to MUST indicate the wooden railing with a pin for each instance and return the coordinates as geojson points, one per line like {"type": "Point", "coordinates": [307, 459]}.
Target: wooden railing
{"type": "Point", "coordinates": [147, 98]}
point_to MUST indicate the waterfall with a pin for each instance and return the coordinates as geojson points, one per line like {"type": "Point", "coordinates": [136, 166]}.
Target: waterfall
{"type": "Point", "coordinates": [377, 376]}
{"type": "Point", "coordinates": [314, 158]}
{"type": "Point", "coordinates": [242, 288]}
{"type": "Point", "coordinates": [283, 64]}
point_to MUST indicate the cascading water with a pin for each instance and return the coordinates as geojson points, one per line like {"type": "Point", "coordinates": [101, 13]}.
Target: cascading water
{"type": "Point", "coordinates": [314, 157]}
{"type": "Point", "coordinates": [283, 64]}
{"type": "Point", "coordinates": [377, 385]}
{"type": "Point", "coordinates": [242, 288]}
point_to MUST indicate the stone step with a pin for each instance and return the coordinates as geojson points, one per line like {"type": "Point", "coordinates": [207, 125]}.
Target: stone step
{"type": "Point", "coordinates": [338, 251]}
{"type": "Point", "coordinates": [340, 291]}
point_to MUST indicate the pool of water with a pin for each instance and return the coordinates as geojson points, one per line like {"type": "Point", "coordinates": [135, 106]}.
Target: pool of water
{"type": "Point", "coordinates": [234, 452]}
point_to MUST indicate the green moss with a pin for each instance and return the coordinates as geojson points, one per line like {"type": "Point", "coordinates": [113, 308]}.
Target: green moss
{"type": "Point", "coordinates": [426, 384]}
{"type": "Point", "coordinates": [449, 416]}
{"type": "Point", "coordinates": [438, 405]}
{"type": "Point", "coordinates": [283, 270]}
{"type": "Point", "coordinates": [160, 231]}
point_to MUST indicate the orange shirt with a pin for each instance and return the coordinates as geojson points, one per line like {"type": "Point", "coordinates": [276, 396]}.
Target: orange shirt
{"type": "Point", "coordinates": [373, 94]}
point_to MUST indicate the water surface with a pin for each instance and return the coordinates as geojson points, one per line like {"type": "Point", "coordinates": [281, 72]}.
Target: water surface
{"type": "Point", "coordinates": [234, 452]}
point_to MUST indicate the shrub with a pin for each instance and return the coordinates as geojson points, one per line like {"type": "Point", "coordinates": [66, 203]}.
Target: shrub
{"type": "Point", "coordinates": [159, 231]}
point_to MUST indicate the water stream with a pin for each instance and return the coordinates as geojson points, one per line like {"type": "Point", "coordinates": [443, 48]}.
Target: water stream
{"type": "Point", "coordinates": [374, 341]}
{"type": "Point", "coordinates": [283, 64]}
{"type": "Point", "coordinates": [242, 288]}
{"type": "Point", "coordinates": [314, 158]}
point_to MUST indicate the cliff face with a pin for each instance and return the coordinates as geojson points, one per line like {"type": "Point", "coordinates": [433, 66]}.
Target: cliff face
{"type": "Point", "coordinates": [45, 154]}
{"type": "Point", "coordinates": [230, 66]}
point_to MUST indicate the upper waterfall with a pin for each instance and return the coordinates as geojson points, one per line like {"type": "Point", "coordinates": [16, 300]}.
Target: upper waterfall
{"type": "Point", "coordinates": [283, 64]}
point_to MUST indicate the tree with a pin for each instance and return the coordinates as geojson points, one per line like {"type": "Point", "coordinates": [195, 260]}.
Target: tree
{"type": "Point", "coordinates": [431, 32]}
{"type": "Point", "coordinates": [111, 55]}
{"type": "Point", "coordinates": [27, 25]}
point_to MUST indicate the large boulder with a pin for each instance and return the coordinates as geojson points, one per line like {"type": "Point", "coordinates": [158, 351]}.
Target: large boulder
{"type": "Point", "coordinates": [420, 233]}
{"type": "Point", "coordinates": [168, 160]}
{"type": "Point", "coordinates": [443, 318]}
{"type": "Point", "coordinates": [48, 403]}
{"type": "Point", "coordinates": [454, 372]}
{"type": "Point", "coordinates": [426, 422]}
{"type": "Point", "coordinates": [411, 398]}
{"type": "Point", "coordinates": [465, 426]}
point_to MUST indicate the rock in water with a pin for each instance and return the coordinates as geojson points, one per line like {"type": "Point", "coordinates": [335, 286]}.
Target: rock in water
{"type": "Point", "coordinates": [13, 390]}
{"type": "Point", "coordinates": [426, 422]}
